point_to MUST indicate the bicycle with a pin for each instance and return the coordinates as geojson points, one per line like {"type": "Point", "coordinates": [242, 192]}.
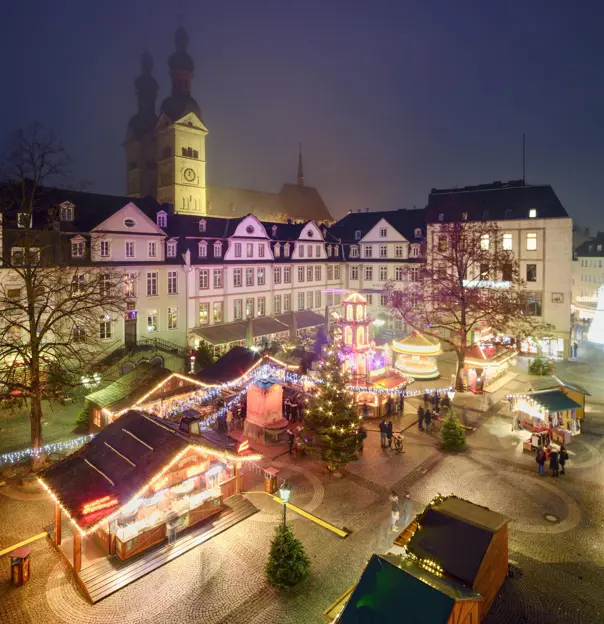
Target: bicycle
{"type": "Point", "coordinates": [398, 443]}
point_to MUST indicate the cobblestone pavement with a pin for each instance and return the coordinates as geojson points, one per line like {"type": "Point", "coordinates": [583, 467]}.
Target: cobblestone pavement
{"type": "Point", "coordinates": [222, 581]}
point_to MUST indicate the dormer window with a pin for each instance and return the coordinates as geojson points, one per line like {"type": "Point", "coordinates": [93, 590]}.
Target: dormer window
{"type": "Point", "coordinates": [357, 235]}
{"type": "Point", "coordinates": [277, 249]}
{"type": "Point", "coordinates": [441, 216]}
{"type": "Point", "coordinates": [202, 225]}
{"type": "Point", "coordinates": [217, 249]}
{"type": "Point", "coordinates": [532, 213]}
{"type": "Point", "coordinates": [336, 251]}
{"type": "Point", "coordinates": [354, 251]}
{"type": "Point", "coordinates": [78, 247]}
{"type": "Point", "coordinates": [162, 219]}
{"type": "Point", "coordinates": [329, 251]}
{"type": "Point", "coordinates": [23, 220]}
{"type": "Point", "coordinates": [202, 249]}
{"type": "Point", "coordinates": [418, 232]}
{"type": "Point", "coordinates": [414, 251]}
{"type": "Point", "coordinates": [171, 249]}
{"type": "Point", "coordinates": [274, 230]}
{"type": "Point", "coordinates": [66, 212]}
{"type": "Point", "coordinates": [286, 250]}
{"type": "Point", "coordinates": [464, 216]}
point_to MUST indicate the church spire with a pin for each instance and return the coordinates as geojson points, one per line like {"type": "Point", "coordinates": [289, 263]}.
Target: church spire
{"type": "Point", "coordinates": [300, 167]}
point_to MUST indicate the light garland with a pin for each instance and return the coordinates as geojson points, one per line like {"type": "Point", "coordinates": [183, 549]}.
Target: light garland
{"type": "Point", "coordinates": [54, 447]}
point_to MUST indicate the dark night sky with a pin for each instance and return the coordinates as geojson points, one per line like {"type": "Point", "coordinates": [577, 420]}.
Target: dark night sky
{"type": "Point", "coordinates": [389, 97]}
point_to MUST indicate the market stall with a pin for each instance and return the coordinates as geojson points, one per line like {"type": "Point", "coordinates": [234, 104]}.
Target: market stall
{"type": "Point", "coordinates": [140, 481]}
{"type": "Point", "coordinates": [485, 363]}
{"type": "Point", "coordinates": [547, 414]}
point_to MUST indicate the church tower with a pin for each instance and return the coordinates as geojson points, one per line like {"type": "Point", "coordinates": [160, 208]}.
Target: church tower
{"type": "Point", "coordinates": [141, 172]}
{"type": "Point", "coordinates": [181, 138]}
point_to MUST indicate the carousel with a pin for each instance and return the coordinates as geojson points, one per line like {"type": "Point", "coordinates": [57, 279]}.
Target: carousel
{"type": "Point", "coordinates": [415, 355]}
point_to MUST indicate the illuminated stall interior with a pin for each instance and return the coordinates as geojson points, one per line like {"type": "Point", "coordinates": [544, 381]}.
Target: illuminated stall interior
{"type": "Point", "coordinates": [548, 411]}
{"type": "Point", "coordinates": [484, 363]}
{"type": "Point", "coordinates": [355, 337]}
{"type": "Point", "coordinates": [416, 354]}
{"type": "Point", "coordinates": [139, 480]}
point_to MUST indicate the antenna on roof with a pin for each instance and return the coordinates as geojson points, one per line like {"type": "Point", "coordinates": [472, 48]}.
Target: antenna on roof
{"type": "Point", "coordinates": [523, 158]}
{"type": "Point", "coordinates": [300, 168]}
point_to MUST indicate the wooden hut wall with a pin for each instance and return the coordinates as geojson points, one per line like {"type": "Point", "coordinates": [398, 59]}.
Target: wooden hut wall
{"type": "Point", "coordinates": [493, 569]}
{"type": "Point", "coordinates": [578, 398]}
{"type": "Point", "coordinates": [465, 612]}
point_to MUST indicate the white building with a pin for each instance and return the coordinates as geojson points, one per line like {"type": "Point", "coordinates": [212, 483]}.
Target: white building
{"type": "Point", "coordinates": [588, 276]}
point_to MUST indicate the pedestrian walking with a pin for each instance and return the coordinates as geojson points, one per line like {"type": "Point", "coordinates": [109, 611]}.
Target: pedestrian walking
{"type": "Point", "coordinates": [428, 419]}
{"type": "Point", "coordinates": [172, 522]}
{"type": "Point", "coordinates": [426, 400]}
{"type": "Point", "coordinates": [229, 421]}
{"type": "Point", "coordinates": [434, 401]}
{"type": "Point", "coordinates": [361, 435]}
{"type": "Point", "coordinates": [402, 403]}
{"type": "Point", "coordinates": [540, 459]}
{"type": "Point", "coordinates": [389, 433]}
{"type": "Point", "coordinates": [554, 462]}
{"type": "Point", "coordinates": [395, 510]}
{"type": "Point", "coordinates": [420, 417]}
{"type": "Point", "coordinates": [407, 510]}
{"type": "Point", "coordinates": [291, 438]}
{"type": "Point", "coordinates": [383, 434]}
{"type": "Point", "coordinates": [563, 458]}
{"type": "Point", "coordinates": [365, 410]}
{"type": "Point", "coordinates": [389, 406]}
{"type": "Point", "coordinates": [575, 349]}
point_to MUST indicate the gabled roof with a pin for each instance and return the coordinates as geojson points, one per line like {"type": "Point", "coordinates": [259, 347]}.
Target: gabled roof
{"type": "Point", "coordinates": [119, 463]}
{"type": "Point", "coordinates": [303, 202]}
{"type": "Point", "coordinates": [497, 201]}
{"type": "Point", "coordinates": [549, 383]}
{"type": "Point", "coordinates": [405, 222]}
{"type": "Point", "coordinates": [129, 388]}
{"type": "Point", "coordinates": [231, 366]}
{"type": "Point", "coordinates": [456, 534]}
{"type": "Point", "coordinates": [554, 400]}
{"type": "Point", "coordinates": [393, 590]}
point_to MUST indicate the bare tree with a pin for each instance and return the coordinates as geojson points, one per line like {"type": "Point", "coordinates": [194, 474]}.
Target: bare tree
{"type": "Point", "coordinates": [53, 310]}
{"type": "Point", "coordinates": [471, 280]}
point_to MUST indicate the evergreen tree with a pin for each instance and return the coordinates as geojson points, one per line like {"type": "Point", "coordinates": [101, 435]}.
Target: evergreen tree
{"type": "Point", "coordinates": [204, 357]}
{"type": "Point", "coordinates": [452, 435]}
{"type": "Point", "coordinates": [330, 419]}
{"type": "Point", "coordinates": [288, 563]}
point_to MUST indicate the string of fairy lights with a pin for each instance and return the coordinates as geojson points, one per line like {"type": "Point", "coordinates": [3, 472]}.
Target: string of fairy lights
{"type": "Point", "coordinates": [54, 447]}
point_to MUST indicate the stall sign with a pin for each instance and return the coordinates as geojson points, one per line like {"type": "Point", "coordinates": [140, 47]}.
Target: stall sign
{"type": "Point", "coordinates": [160, 484]}
{"type": "Point", "coordinates": [195, 470]}
{"type": "Point", "coordinates": [244, 446]}
{"type": "Point", "coordinates": [100, 503]}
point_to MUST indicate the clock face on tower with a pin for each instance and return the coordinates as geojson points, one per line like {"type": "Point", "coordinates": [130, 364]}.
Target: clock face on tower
{"type": "Point", "coordinates": [189, 174]}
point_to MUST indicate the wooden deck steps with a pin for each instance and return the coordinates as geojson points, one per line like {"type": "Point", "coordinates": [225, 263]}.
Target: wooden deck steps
{"type": "Point", "coordinates": [112, 574]}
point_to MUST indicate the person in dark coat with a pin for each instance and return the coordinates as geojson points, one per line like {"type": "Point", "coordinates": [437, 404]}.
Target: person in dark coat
{"type": "Point", "coordinates": [563, 458]}
{"type": "Point", "coordinates": [540, 459]}
{"type": "Point", "coordinates": [426, 399]}
{"type": "Point", "coordinates": [428, 419]}
{"type": "Point", "coordinates": [291, 438]}
{"type": "Point", "coordinates": [389, 433]}
{"type": "Point", "coordinates": [383, 434]}
{"type": "Point", "coordinates": [389, 406]}
{"type": "Point", "coordinates": [434, 401]}
{"type": "Point", "coordinates": [420, 417]}
{"type": "Point", "coordinates": [361, 435]}
{"type": "Point", "coordinates": [554, 462]}
{"type": "Point", "coordinates": [365, 410]}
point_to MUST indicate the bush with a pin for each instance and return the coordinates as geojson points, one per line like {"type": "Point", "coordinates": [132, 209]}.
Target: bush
{"type": "Point", "coordinates": [452, 435]}
{"type": "Point", "coordinates": [288, 563]}
{"type": "Point", "coordinates": [539, 366]}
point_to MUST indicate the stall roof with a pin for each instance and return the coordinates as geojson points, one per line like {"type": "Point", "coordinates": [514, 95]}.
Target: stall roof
{"type": "Point", "coordinates": [237, 331]}
{"type": "Point", "coordinates": [549, 383]}
{"type": "Point", "coordinates": [232, 365]}
{"type": "Point", "coordinates": [119, 462]}
{"type": "Point", "coordinates": [456, 534]}
{"type": "Point", "coordinates": [554, 400]}
{"type": "Point", "coordinates": [392, 589]}
{"type": "Point", "coordinates": [304, 319]}
{"type": "Point", "coordinates": [129, 388]}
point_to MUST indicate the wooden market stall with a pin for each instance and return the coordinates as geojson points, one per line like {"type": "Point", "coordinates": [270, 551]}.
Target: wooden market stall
{"type": "Point", "coordinates": [485, 363]}
{"type": "Point", "coordinates": [137, 483]}
{"type": "Point", "coordinates": [550, 412]}
{"type": "Point", "coordinates": [571, 389]}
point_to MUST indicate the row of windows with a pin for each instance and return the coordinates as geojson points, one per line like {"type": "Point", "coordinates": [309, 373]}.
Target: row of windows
{"type": "Point", "coordinates": [383, 251]}
{"type": "Point", "coordinates": [507, 241]}
{"type": "Point", "coordinates": [592, 262]}
{"type": "Point", "coordinates": [594, 279]}
{"type": "Point", "coordinates": [384, 233]}
{"type": "Point", "coordinates": [400, 273]}
{"type": "Point", "coordinates": [509, 213]}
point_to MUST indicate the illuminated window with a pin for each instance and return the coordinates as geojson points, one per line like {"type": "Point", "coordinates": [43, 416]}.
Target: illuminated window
{"type": "Point", "coordinates": [507, 241]}
{"type": "Point", "coordinates": [249, 277]}
{"type": "Point", "coordinates": [532, 213]}
{"type": "Point", "coordinates": [204, 313]}
{"type": "Point", "coordinates": [249, 308]}
{"type": "Point", "coordinates": [485, 242]}
{"type": "Point", "coordinates": [152, 321]}
{"type": "Point", "coordinates": [218, 312]}
{"type": "Point", "coordinates": [531, 241]}
{"type": "Point", "coordinates": [260, 276]}
{"type": "Point", "coordinates": [173, 318]}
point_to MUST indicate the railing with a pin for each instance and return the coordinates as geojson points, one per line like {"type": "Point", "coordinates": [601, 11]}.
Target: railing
{"type": "Point", "coordinates": [144, 344]}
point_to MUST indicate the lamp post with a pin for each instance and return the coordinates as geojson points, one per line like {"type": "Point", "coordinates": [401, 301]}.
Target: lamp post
{"type": "Point", "coordinates": [284, 492]}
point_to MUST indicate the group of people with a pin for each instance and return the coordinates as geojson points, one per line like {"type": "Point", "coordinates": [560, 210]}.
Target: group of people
{"type": "Point", "coordinates": [292, 409]}
{"type": "Point", "coordinates": [386, 433]}
{"type": "Point", "coordinates": [557, 459]}
{"type": "Point", "coordinates": [233, 418]}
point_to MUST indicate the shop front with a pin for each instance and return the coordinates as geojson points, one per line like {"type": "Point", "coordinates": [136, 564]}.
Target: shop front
{"type": "Point", "coordinates": [485, 363]}
{"type": "Point", "coordinates": [543, 347]}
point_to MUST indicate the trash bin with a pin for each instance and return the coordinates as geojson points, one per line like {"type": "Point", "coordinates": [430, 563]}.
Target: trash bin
{"type": "Point", "coordinates": [270, 480]}
{"type": "Point", "coordinates": [19, 563]}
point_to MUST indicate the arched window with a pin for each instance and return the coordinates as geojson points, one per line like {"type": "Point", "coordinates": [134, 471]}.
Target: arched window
{"type": "Point", "coordinates": [349, 313]}
{"type": "Point", "coordinates": [348, 335]}
{"type": "Point", "coordinates": [360, 315]}
{"type": "Point", "coordinates": [360, 336]}
{"type": "Point", "coordinates": [217, 249]}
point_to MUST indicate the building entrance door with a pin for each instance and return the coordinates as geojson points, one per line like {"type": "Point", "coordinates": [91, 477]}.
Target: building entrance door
{"type": "Point", "coordinates": [130, 333]}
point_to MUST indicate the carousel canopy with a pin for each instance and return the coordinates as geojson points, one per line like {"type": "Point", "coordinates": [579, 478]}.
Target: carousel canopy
{"type": "Point", "coordinates": [488, 353]}
{"type": "Point", "coordinates": [355, 298]}
{"type": "Point", "coordinates": [129, 388]}
{"type": "Point", "coordinates": [392, 589]}
{"type": "Point", "coordinates": [553, 400]}
{"type": "Point", "coordinates": [416, 343]}
{"type": "Point", "coordinates": [119, 462]}
{"type": "Point", "coordinates": [456, 534]}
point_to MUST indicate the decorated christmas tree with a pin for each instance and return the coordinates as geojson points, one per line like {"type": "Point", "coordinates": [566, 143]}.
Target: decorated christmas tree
{"type": "Point", "coordinates": [452, 435]}
{"type": "Point", "coordinates": [288, 563]}
{"type": "Point", "coordinates": [596, 329]}
{"type": "Point", "coordinates": [330, 420]}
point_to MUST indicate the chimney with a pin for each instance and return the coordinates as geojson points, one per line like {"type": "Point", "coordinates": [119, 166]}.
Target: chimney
{"type": "Point", "coordinates": [289, 222]}
{"type": "Point", "coordinates": [358, 210]}
{"type": "Point", "coordinates": [350, 212]}
{"type": "Point", "coordinates": [366, 209]}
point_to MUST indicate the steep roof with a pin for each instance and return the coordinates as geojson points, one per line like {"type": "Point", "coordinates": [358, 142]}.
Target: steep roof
{"type": "Point", "coordinates": [403, 221]}
{"type": "Point", "coordinates": [497, 201]}
{"type": "Point", "coordinates": [592, 248]}
{"type": "Point", "coordinates": [392, 590]}
{"type": "Point", "coordinates": [554, 400]}
{"type": "Point", "coordinates": [230, 366]}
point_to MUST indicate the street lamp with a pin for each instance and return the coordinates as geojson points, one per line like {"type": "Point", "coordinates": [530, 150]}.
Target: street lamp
{"type": "Point", "coordinates": [285, 491]}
